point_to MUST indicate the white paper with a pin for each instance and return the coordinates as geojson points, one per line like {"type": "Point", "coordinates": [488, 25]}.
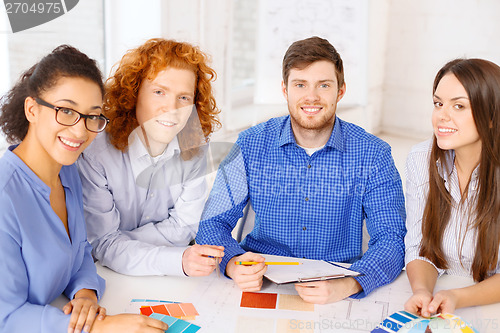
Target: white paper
{"type": "Point", "coordinates": [308, 270]}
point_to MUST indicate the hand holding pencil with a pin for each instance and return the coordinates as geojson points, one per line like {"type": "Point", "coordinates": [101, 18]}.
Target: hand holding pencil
{"type": "Point", "coordinates": [247, 277]}
{"type": "Point", "coordinates": [201, 260]}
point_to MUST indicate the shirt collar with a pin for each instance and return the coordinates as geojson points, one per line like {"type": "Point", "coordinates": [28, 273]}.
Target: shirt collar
{"type": "Point", "coordinates": [447, 167]}
{"type": "Point", "coordinates": [336, 139]}
{"type": "Point", "coordinates": [30, 176]}
{"type": "Point", "coordinates": [140, 159]}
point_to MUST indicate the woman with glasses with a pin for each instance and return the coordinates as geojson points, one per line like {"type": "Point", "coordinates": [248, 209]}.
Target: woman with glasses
{"type": "Point", "coordinates": [453, 192]}
{"type": "Point", "coordinates": [144, 178]}
{"type": "Point", "coordinates": [52, 113]}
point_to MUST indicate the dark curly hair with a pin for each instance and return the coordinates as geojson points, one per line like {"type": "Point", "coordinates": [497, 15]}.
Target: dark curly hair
{"type": "Point", "coordinates": [63, 61]}
{"type": "Point", "coordinates": [145, 62]}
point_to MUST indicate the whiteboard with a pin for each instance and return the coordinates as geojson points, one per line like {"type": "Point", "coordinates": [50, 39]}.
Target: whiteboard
{"type": "Point", "coordinates": [344, 23]}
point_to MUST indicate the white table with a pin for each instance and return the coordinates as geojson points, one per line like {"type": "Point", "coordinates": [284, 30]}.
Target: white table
{"type": "Point", "coordinates": [218, 302]}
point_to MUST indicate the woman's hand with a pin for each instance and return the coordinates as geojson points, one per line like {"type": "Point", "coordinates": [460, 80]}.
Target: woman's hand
{"type": "Point", "coordinates": [419, 303]}
{"type": "Point", "coordinates": [83, 309]}
{"type": "Point", "coordinates": [130, 323]}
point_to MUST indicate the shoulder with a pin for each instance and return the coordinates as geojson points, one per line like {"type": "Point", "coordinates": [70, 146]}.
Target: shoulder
{"type": "Point", "coordinates": [270, 129]}
{"type": "Point", "coordinates": [100, 148]}
{"type": "Point", "coordinates": [417, 162]}
{"type": "Point", "coordinates": [8, 172]}
{"type": "Point", "coordinates": [357, 139]}
{"type": "Point", "coordinates": [11, 197]}
{"type": "Point", "coordinates": [420, 153]}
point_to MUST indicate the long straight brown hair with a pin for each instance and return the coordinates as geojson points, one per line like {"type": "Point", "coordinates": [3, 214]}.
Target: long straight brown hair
{"type": "Point", "coordinates": [481, 80]}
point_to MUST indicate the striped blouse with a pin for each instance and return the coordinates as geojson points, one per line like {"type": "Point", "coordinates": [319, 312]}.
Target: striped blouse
{"type": "Point", "coordinates": [459, 243]}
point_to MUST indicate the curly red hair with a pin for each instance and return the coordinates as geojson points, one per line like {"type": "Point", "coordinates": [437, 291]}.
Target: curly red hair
{"type": "Point", "coordinates": [145, 62]}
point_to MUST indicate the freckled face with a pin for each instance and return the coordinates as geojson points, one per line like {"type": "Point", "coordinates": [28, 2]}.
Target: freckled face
{"type": "Point", "coordinates": [165, 103]}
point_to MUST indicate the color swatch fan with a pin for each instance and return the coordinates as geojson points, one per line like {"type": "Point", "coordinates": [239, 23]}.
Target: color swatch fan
{"type": "Point", "coordinates": [405, 322]}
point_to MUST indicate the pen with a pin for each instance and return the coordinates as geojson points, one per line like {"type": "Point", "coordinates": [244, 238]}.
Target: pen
{"type": "Point", "coordinates": [267, 263]}
{"type": "Point", "coordinates": [217, 267]}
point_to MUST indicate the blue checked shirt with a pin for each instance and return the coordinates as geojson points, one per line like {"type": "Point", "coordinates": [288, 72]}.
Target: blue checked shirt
{"type": "Point", "coordinates": [311, 206]}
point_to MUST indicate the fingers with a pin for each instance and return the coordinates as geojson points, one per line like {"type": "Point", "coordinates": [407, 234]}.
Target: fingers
{"type": "Point", "coordinates": [156, 324]}
{"type": "Point", "coordinates": [86, 322]}
{"type": "Point", "coordinates": [312, 292]}
{"type": "Point", "coordinates": [419, 304]}
{"type": "Point", "coordinates": [250, 256]}
{"type": "Point", "coordinates": [209, 250]}
{"type": "Point", "coordinates": [247, 277]}
{"type": "Point", "coordinates": [83, 313]}
{"type": "Point", "coordinates": [198, 260]}
{"type": "Point", "coordinates": [67, 308]}
{"type": "Point", "coordinates": [102, 313]}
{"type": "Point", "coordinates": [437, 302]}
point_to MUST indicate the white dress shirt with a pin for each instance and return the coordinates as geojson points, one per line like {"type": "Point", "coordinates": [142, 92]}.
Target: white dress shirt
{"type": "Point", "coordinates": [141, 212]}
{"type": "Point", "coordinates": [459, 239]}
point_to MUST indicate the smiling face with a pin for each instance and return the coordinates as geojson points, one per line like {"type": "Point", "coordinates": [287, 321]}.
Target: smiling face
{"type": "Point", "coordinates": [63, 144]}
{"type": "Point", "coordinates": [312, 94]}
{"type": "Point", "coordinates": [165, 103]}
{"type": "Point", "coordinates": [452, 119]}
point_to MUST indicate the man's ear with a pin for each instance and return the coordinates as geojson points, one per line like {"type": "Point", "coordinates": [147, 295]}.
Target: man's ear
{"type": "Point", "coordinates": [341, 93]}
{"type": "Point", "coordinates": [30, 109]}
{"type": "Point", "coordinates": [283, 90]}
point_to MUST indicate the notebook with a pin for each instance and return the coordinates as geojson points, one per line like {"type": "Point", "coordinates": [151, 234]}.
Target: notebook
{"type": "Point", "coordinates": [308, 271]}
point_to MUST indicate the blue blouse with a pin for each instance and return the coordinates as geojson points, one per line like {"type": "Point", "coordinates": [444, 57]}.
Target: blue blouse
{"type": "Point", "coordinates": [38, 260]}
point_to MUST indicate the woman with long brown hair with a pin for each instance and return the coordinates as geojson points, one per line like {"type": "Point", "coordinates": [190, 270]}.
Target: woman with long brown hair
{"type": "Point", "coordinates": [453, 191]}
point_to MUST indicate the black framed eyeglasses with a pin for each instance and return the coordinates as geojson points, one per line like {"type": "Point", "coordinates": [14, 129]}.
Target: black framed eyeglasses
{"type": "Point", "coordinates": [69, 117]}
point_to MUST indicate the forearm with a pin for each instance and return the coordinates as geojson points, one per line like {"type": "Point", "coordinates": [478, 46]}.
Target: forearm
{"type": "Point", "coordinates": [132, 257]}
{"type": "Point", "coordinates": [422, 276]}
{"type": "Point", "coordinates": [381, 264]}
{"type": "Point", "coordinates": [482, 293]}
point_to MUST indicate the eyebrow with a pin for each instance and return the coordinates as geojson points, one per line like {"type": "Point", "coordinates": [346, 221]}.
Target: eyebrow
{"type": "Point", "coordinates": [96, 107]}
{"type": "Point", "coordinates": [319, 81]}
{"type": "Point", "coordinates": [453, 99]}
{"type": "Point", "coordinates": [167, 88]}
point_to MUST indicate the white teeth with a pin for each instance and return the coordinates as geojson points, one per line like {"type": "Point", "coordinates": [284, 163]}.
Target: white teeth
{"type": "Point", "coordinates": [446, 130]}
{"type": "Point", "coordinates": [69, 143]}
{"type": "Point", "coordinates": [311, 109]}
{"type": "Point", "coordinates": [166, 123]}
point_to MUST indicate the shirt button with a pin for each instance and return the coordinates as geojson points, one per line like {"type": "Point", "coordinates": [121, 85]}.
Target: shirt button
{"type": "Point", "coordinates": [307, 199]}
{"type": "Point", "coordinates": [309, 166]}
{"type": "Point", "coordinates": [304, 228]}
{"type": "Point", "coordinates": [147, 217]}
{"type": "Point", "coordinates": [152, 195]}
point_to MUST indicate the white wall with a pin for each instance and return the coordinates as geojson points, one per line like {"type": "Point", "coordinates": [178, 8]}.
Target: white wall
{"type": "Point", "coordinates": [128, 24]}
{"type": "Point", "coordinates": [423, 36]}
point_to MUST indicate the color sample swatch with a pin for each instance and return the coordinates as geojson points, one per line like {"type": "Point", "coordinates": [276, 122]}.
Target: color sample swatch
{"type": "Point", "coordinates": [294, 326]}
{"type": "Point", "coordinates": [254, 324]}
{"type": "Point", "coordinates": [293, 302]}
{"type": "Point", "coordinates": [258, 300]}
{"type": "Point", "coordinates": [176, 325]}
{"type": "Point", "coordinates": [405, 322]}
{"type": "Point", "coordinates": [178, 310]}
{"type": "Point", "coordinates": [136, 304]}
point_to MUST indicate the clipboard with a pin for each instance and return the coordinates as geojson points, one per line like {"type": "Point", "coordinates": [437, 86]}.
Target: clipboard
{"type": "Point", "coordinates": [309, 270]}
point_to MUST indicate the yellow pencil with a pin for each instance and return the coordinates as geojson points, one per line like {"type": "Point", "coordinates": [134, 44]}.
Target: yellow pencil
{"type": "Point", "coordinates": [267, 263]}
